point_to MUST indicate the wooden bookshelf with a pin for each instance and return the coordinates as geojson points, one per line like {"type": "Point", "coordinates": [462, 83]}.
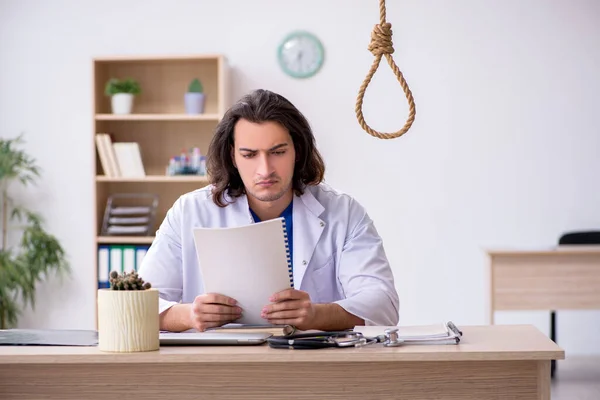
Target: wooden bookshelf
{"type": "Point", "coordinates": [158, 124]}
{"type": "Point", "coordinates": [157, 117]}
{"type": "Point", "coordinates": [125, 239]}
{"type": "Point", "coordinates": [155, 178]}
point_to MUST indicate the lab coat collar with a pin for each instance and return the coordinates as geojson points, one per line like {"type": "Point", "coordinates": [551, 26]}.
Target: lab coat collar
{"type": "Point", "coordinates": [308, 227]}
{"type": "Point", "coordinates": [242, 206]}
{"type": "Point", "coordinates": [312, 203]}
{"type": "Point", "coordinates": [243, 216]}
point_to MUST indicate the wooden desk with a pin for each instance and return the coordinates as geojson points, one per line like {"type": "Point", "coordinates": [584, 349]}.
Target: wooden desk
{"type": "Point", "coordinates": [492, 362]}
{"type": "Point", "coordinates": [565, 277]}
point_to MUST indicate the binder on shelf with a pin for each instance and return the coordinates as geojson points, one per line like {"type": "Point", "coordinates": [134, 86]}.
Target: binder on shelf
{"type": "Point", "coordinates": [103, 266]}
{"type": "Point", "coordinates": [140, 253]}
{"type": "Point", "coordinates": [116, 259]}
{"type": "Point", "coordinates": [261, 256]}
{"type": "Point", "coordinates": [128, 259]}
{"type": "Point", "coordinates": [120, 258]}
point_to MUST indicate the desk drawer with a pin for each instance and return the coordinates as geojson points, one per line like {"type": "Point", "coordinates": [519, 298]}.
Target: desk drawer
{"type": "Point", "coordinates": [524, 282]}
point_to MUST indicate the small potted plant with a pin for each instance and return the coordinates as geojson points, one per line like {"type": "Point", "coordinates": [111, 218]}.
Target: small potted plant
{"type": "Point", "coordinates": [194, 98]}
{"type": "Point", "coordinates": [128, 315]}
{"type": "Point", "coordinates": [121, 93]}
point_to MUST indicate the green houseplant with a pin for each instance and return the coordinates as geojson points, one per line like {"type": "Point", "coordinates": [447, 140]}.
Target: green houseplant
{"type": "Point", "coordinates": [121, 93]}
{"type": "Point", "coordinates": [33, 257]}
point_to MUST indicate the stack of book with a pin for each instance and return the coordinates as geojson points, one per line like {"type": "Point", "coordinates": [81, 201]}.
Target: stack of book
{"type": "Point", "coordinates": [119, 159]}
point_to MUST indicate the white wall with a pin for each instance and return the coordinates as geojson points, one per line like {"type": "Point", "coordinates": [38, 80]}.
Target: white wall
{"type": "Point", "coordinates": [500, 155]}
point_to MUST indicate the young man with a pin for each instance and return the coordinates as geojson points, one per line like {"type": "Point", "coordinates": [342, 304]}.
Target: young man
{"type": "Point", "coordinates": [263, 164]}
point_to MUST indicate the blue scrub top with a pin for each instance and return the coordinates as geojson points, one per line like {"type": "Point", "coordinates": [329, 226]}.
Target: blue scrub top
{"type": "Point", "coordinates": [287, 215]}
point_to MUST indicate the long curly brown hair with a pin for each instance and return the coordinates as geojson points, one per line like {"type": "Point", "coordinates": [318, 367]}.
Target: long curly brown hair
{"type": "Point", "coordinates": [257, 107]}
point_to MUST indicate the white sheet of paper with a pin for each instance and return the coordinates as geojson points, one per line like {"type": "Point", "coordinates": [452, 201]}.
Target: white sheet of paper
{"type": "Point", "coordinates": [415, 332]}
{"type": "Point", "coordinates": [247, 263]}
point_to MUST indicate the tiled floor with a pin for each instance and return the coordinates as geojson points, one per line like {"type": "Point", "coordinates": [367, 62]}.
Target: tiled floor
{"type": "Point", "coordinates": [577, 378]}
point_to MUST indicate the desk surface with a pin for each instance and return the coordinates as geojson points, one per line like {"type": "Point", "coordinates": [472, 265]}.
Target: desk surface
{"type": "Point", "coordinates": [479, 343]}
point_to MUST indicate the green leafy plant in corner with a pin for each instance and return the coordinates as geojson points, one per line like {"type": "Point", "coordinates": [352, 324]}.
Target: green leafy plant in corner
{"type": "Point", "coordinates": [37, 254]}
{"type": "Point", "coordinates": [114, 86]}
{"type": "Point", "coordinates": [195, 87]}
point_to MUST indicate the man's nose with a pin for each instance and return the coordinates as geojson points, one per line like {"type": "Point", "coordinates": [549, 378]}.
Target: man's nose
{"type": "Point", "coordinates": [264, 166]}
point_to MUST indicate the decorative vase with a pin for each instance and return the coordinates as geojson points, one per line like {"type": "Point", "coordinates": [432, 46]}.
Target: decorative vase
{"type": "Point", "coordinates": [128, 320]}
{"type": "Point", "coordinates": [194, 103]}
{"type": "Point", "coordinates": [122, 103]}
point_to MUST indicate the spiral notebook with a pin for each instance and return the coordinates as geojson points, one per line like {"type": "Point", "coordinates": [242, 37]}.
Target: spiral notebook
{"type": "Point", "coordinates": [248, 263]}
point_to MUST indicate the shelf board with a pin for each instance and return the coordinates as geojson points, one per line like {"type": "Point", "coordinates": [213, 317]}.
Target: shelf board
{"type": "Point", "coordinates": [158, 117]}
{"type": "Point", "coordinates": [155, 178]}
{"type": "Point", "coordinates": [159, 58]}
{"type": "Point", "coordinates": [125, 239]}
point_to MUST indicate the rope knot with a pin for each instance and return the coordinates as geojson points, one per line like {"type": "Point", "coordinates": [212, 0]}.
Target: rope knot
{"type": "Point", "coordinates": [381, 40]}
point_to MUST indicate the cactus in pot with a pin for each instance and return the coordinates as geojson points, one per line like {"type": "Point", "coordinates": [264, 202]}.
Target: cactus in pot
{"type": "Point", "coordinates": [128, 314]}
{"type": "Point", "coordinates": [128, 281]}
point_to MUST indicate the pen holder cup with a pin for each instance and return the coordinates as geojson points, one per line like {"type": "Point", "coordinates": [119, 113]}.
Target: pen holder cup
{"type": "Point", "coordinates": [128, 320]}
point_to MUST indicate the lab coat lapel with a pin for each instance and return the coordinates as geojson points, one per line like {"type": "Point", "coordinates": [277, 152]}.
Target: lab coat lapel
{"type": "Point", "coordinates": [241, 214]}
{"type": "Point", "coordinates": [308, 228]}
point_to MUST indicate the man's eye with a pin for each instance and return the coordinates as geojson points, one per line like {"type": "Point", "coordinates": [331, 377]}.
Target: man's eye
{"type": "Point", "coordinates": [280, 152]}
{"type": "Point", "coordinates": [248, 155]}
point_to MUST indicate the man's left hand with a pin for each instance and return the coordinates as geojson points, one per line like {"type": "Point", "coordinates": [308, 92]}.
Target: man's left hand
{"type": "Point", "coordinates": [291, 307]}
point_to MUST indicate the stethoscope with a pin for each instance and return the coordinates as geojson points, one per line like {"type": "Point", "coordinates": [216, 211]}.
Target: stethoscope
{"type": "Point", "coordinates": [321, 340]}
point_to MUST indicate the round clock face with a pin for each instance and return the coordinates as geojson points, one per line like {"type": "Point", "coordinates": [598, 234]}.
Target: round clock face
{"type": "Point", "coordinates": [300, 54]}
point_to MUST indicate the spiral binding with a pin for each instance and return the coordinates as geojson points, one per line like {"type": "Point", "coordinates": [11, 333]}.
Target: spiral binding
{"type": "Point", "coordinates": [287, 253]}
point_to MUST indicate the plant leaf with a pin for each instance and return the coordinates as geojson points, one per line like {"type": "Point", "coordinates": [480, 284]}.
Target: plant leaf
{"type": "Point", "coordinates": [15, 163]}
{"type": "Point", "coordinates": [38, 253]}
{"type": "Point", "coordinates": [11, 272]}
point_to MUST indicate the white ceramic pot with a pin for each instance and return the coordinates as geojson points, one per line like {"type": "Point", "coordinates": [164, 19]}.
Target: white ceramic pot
{"type": "Point", "coordinates": [128, 320]}
{"type": "Point", "coordinates": [194, 103]}
{"type": "Point", "coordinates": [122, 103]}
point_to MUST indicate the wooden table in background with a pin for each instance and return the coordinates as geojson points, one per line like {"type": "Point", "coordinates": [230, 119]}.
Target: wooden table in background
{"type": "Point", "coordinates": [562, 278]}
{"type": "Point", "coordinates": [491, 362]}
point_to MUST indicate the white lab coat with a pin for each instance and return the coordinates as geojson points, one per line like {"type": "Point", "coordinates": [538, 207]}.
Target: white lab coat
{"type": "Point", "coordinates": [338, 254]}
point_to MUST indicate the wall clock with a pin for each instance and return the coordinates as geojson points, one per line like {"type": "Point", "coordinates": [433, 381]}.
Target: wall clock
{"type": "Point", "coordinates": [300, 54]}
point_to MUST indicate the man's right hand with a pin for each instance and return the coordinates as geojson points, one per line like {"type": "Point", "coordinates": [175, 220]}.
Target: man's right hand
{"type": "Point", "coordinates": [212, 309]}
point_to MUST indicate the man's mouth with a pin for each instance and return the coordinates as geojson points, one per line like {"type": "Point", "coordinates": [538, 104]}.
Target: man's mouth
{"type": "Point", "coordinates": [266, 183]}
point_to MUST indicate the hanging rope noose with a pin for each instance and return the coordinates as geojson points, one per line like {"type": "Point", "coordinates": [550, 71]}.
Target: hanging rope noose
{"type": "Point", "coordinates": [381, 45]}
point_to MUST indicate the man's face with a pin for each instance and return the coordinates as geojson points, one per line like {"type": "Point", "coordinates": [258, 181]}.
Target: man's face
{"type": "Point", "coordinates": [264, 156]}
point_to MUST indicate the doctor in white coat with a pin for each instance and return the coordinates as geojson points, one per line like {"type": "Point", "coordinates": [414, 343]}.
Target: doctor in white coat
{"type": "Point", "coordinates": [263, 164]}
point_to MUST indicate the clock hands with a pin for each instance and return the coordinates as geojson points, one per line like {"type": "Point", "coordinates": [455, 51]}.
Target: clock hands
{"type": "Point", "coordinates": [300, 54]}
{"type": "Point", "coordinates": [299, 59]}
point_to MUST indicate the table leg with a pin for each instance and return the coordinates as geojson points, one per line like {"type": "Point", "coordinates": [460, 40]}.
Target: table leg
{"type": "Point", "coordinates": [544, 380]}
